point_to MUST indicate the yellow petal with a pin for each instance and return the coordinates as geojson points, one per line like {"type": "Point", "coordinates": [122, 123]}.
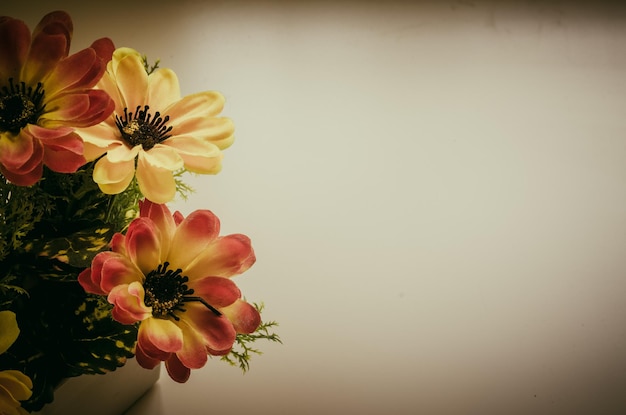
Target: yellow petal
{"type": "Point", "coordinates": [132, 81]}
{"type": "Point", "coordinates": [201, 104]}
{"type": "Point", "coordinates": [9, 330]}
{"type": "Point", "coordinates": [164, 157]}
{"type": "Point", "coordinates": [163, 89]}
{"type": "Point", "coordinates": [113, 178]}
{"type": "Point", "coordinates": [155, 183]}
{"type": "Point", "coordinates": [17, 384]}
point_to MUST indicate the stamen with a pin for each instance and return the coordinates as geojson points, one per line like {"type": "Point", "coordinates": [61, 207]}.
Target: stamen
{"type": "Point", "coordinates": [142, 128]}
{"type": "Point", "coordinates": [167, 292]}
{"type": "Point", "coordinates": [20, 105]}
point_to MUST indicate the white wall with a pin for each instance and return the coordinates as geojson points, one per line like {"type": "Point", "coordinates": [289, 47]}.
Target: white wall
{"type": "Point", "coordinates": [436, 192]}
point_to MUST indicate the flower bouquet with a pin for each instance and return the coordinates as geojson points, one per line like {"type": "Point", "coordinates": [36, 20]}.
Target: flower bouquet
{"type": "Point", "coordinates": [95, 269]}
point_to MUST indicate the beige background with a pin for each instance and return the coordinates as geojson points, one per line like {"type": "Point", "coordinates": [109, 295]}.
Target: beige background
{"type": "Point", "coordinates": [436, 192]}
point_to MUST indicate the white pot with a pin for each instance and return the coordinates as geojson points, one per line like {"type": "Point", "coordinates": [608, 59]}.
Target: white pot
{"type": "Point", "coordinates": [109, 394]}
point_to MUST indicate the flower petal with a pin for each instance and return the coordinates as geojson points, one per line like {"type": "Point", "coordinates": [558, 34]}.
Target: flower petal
{"type": "Point", "coordinates": [50, 43]}
{"type": "Point", "coordinates": [113, 178]}
{"type": "Point", "coordinates": [128, 301]}
{"type": "Point", "coordinates": [177, 371]}
{"type": "Point", "coordinates": [14, 47]}
{"type": "Point", "coordinates": [77, 110]}
{"type": "Point", "coordinates": [225, 257]}
{"type": "Point", "coordinates": [200, 104]}
{"type": "Point", "coordinates": [193, 353]}
{"type": "Point", "coordinates": [198, 156]}
{"type": "Point", "coordinates": [21, 158]}
{"type": "Point", "coordinates": [193, 235]}
{"type": "Point", "coordinates": [122, 153]}
{"type": "Point", "coordinates": [17, 150]}
{"type": "Point", "coordinates": [216, 130]}
{"type": "Point", "coordinates": [118, 244]}
{"type": "Point", "coordinates": [143, 245]}
{"type": "Point", "coordinates": [16, 383]}
{"type": "Point", "coordinates": [117, 270]}
{"type": "Point", "coordinates": [159, 335]}
{"type": "Point", "coordinates": [131, 77]}
{"type": "Point", "coordinates": [217, 331]}
{"type": "Point", "coordinates": [91, 278]}
{"type": "Point", "coordinates": [80, 70]}
{"type": "Point", "coordinates": [163, 89]}
{"type": "Point", "coordinates": [9, 330]}
{"type": "Point", "coordinates": [217, 291]}
{"type": "Point", "coordinates": [162, 218]}
{"type": "Point", "coordinates": [163, 157]}
{"type": "Point", "coordinates": [156, 184]}
{"type": "Point", "coordinates": [63, 148]}
{"type": "Point", "coordinates": [144, 360]}
{"type": "Point", "coordinates": [244, 317]}
{"type": "Point", "coordinates": [104, 48]}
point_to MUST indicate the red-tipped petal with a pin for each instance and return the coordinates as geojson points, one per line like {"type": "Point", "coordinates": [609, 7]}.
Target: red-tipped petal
{"type": "Point", "coordinates": [144, 360]}
{"type": "Point", "coordinates": [143, 244]}
{"type": "Point", "coordinates": [217, 331]}
{"type": "Point", "coordinates": [217, 291]}
{"type": "Point", "coordinates": [227, 256]}
{"type": "Point", "coordinates": [244, 316]}
{"type": "Point", "coordinates": [50, 43]}
{"type": "Point", "coordinates": [177, 371]}
{"type": "Point", "coordinates": [193, 353]}
{"type": "Point", "coordinates": [159, 336]}
{"type": "Point", "coordinates": [192, 236]}
{"type": "Point", "coordinates": [14, 46]}
{"type": "Point", "coordinates": [104, 48]}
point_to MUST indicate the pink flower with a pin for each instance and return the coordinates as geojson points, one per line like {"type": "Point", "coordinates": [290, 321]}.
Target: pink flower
{"type": "Point", "coordinates": [172, 274]}
{"type": "Point", "coordinates": [44, 94]}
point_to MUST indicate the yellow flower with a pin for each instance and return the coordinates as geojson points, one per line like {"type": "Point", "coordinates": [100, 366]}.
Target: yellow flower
{"type": "Point", "coordinates": [153, 131]}
{"type": "Point", "coordinates": [14, 385]}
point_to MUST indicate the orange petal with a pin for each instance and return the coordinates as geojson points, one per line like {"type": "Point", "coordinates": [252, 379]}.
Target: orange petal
{"type": "Point", "coordinates": [177, 370]}
{"type": "Point", "coordinates": [192, 236]}
{"type": "Point", "coordinates": [217, 331]}
{"type": "Point", "coordinates": [193, 353]}
{"type": "Point", "coordinates": [225, 257]}
{"type": "Point", "coordinates": [157, 334]}
{"type": "Point", "coordinates": [143, 245]}
{"type": "Point", "coordinates": [50, 43]}
{"type": "Point", "coordinates": [14, 47]}
{"type": "Point", "coordinates": [244, 316]}
{"type": "Point", "coordinates": [217, 291]}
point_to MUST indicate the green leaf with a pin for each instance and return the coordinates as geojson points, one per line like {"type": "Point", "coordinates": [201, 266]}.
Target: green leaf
{"type": "Point", "coordinates": [98, 344]}
{"type": "Point", "coordinates": [76, 249]}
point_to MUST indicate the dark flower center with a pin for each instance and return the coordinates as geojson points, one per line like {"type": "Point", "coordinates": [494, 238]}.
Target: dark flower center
{"type": "Point", "coordinates": [167, 292]}
{"type": "Point", "coordinates": [20, 105]}
{"type": "Point", "coordinates": [142, 128]}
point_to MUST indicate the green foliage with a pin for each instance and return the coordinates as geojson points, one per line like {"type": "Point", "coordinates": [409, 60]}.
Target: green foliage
{"type": "Point", "coordinates": [150, 68]}
{"type": "Point", "coordinates": [243, 351]}
{"type": "Point", "coordinates": [49, 233]}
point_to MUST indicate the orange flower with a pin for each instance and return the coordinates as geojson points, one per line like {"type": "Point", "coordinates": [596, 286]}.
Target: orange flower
{"type": "Point", "coordinates": [44, 94]}
{"type": "Point", "coordinates": [172, 274]}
